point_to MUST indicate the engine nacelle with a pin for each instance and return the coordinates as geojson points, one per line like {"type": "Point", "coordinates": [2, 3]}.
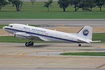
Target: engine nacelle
{"type": "Point", "coordinates": [21, 35]}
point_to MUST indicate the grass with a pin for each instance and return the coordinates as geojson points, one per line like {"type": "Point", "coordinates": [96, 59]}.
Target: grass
{"type": "Point", "coordinates": [86, 53]}
{"type": "Point", "coordinates": [52, 15]}
{"type": "Point", "coordinates": [29, 11]}
{"type": "Point", "coordinates": [96, 36]}
{"type": "Point", "coordinates": [99, 36]}
{"type": "Point", "coordinates": [11, 39]}
{"type": "Point", "coordinates": [1, 26]}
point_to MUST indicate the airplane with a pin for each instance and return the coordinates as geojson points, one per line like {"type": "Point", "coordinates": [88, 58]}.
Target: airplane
{"type": "Point", "coordinates": [30, 32]}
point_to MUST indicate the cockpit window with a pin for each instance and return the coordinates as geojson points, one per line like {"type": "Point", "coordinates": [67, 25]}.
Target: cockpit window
{"type": "Point", "coordinates": [10, 26]}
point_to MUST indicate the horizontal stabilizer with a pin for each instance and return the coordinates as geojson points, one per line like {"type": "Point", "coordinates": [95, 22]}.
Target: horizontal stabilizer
{"type": "Point", "coordinates": [96, 41]}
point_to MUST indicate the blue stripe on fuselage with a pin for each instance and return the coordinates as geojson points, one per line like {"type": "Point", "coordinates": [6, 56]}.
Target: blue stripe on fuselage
{"type": "Point", "coordinates": [42, 35]}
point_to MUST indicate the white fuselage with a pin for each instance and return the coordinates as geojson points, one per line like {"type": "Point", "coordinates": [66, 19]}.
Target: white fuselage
{"type": "Point", "coordinates": [44, 34]}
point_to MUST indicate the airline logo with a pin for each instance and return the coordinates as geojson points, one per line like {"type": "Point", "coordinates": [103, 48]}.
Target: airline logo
{"type": "Point", "coordinates": [85, 32]}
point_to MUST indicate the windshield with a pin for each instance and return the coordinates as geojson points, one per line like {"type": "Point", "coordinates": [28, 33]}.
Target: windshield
{"type": "Point", "coordinates": [10, 25]}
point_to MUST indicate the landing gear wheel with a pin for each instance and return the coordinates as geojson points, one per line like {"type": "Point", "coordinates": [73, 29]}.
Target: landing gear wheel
{"type": "Point", "coordinates": [31, 43]}
{"type": "Point", "coordinates": [27, 44]}
{"type": "Point", "coordinates": [79, 45]}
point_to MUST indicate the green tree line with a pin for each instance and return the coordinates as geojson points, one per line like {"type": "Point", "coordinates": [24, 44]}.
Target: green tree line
{"type": "Point", "coordinates": [85, 5]}
{"type": "Point", "coordinates": [16, 3]}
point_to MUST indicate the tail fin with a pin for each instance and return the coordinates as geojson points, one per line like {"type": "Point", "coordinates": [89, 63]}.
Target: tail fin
{"type": "Point", "coordinates": [86, 32]}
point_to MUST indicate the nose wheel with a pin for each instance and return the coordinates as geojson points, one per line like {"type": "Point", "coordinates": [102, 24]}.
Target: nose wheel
{"type": "Point", "coordinates": [31, 43]}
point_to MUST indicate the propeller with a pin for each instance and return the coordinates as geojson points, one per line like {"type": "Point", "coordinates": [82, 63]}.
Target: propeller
{"type": "Point", "coordinates": [14, 34]}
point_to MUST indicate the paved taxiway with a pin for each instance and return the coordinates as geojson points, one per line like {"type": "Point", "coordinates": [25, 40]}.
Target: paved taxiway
{"type": "Point", "coordinates": [52, 22]}
{"type": "Point", "coordinates": [12, 56]}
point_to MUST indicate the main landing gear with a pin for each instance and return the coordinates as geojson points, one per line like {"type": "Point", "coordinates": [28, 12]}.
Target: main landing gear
{"type": "Point", "coordinates": [31, 43]}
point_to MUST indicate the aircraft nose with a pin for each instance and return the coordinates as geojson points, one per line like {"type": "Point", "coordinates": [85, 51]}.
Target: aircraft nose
{"type": "Point", "coordinates": [4, 27]}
